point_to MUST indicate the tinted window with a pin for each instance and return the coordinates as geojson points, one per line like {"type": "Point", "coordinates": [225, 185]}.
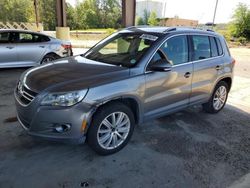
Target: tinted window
{"type": "Point", "coordinates": [201, 47]}
{"type": "Point", "coordinates": [219, 46]}
{"type": "Point", "coordinates": [4, 37]}
{"type": "Point", "coordinates": [214, 50]}
{"type": "Point", "coordinates": [25, 37]}
{"type": "Point", "coordinates": [40, 38]}
{"type": "Point", "coordinates": [176, 50]}
{"type": "Point", "coordinates": [31, 38]}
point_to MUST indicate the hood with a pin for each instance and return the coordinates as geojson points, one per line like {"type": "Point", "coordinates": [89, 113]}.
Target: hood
{"type": "Point", "coordinates": [71, 74]}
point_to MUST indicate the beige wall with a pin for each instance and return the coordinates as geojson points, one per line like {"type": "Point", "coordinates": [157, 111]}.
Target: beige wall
{"type": "Point", "coordinates": [178, 22]}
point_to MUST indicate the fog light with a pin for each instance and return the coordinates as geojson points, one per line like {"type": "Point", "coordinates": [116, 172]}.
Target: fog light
{"type": "Point", "coordinates": [60, 128]}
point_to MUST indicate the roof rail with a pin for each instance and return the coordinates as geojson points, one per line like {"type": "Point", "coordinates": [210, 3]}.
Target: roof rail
{"type": "Point", "coordinates": [137, 26]}
{"type": "Point", "coordinates": [170, 29]}
{"type": "Point", "coordinates": [210, 30]}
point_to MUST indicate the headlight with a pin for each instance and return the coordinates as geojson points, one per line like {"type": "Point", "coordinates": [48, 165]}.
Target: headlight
{"type": "Point", "coordinates": [64, 99]}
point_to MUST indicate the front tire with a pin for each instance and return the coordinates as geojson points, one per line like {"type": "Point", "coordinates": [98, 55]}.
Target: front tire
{"type": "Point", "coordinates": [111, 128]}
{"type": "Point", "coordinates": [218, 99]}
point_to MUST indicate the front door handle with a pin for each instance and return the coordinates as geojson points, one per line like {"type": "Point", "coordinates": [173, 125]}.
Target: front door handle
{"type": "Point", "coordinates": [218, 67]}
{"type": "Point", "coordinates": [10, 47]}
{"type": "Point", "coordinates": [187, 74]}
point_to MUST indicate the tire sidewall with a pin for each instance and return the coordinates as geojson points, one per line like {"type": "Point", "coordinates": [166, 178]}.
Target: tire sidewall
{"type": "Point", "coordinates": [48, 56]}
{"type": "Point", "coordinates": [98, 117]}
{"type": "Point", "coordinates": [221, 83]}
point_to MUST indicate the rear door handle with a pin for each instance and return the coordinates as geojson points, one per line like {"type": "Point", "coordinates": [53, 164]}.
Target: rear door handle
{"type": "Point", "coordinates": [42, 46]}
{"type": "Point", "coordinates": [187, 74]}
{"type": "Point", "coordinates": [10, 47]}
{"type": "Point", "coordinates": [218, 67]}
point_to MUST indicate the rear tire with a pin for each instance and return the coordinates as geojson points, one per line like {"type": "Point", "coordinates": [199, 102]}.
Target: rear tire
{"type": "Point", "coordinates": [48, 58]}
{"type": "Point", "coordinates": [111, 128]}
{"type": "Point", "coordinates": [218, 98]}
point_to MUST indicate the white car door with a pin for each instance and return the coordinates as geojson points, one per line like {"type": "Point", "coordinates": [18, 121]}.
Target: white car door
{"type": "Point", "coordinates": [8, 51]}
{"type": "Point", "coordinates": [30, 51]}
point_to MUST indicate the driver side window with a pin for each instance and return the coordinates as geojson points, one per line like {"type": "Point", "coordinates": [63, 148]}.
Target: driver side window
{"type": "Point", "coordinates": [176, 50]}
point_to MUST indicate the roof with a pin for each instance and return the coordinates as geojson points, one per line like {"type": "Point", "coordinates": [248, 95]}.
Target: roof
{"type": "Point", "coordinates": [22, 30]}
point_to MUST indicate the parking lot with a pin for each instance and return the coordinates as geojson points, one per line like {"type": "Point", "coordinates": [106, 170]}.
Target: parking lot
{"type": "Point", "coordinates": [187, 149]}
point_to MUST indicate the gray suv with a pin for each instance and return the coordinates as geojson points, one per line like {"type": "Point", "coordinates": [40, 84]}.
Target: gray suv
{"type": "Point", "coordinates": [21, 48]}
{"type": "Point", "coordinates": [134, 75]}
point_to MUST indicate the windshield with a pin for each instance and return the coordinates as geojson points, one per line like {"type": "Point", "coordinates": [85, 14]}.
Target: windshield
{"type": "Point", "coordinates": [122, 49]}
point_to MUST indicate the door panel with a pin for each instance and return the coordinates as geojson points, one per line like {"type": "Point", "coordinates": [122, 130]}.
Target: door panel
{"type": "Point", "coordinates": [204, 76]}
{"type": "Point", "coordinates": [30, 52]}
{"type": "Point", "coordinates": [207, 66]}
{"type": "Point", "coordinates": [167, 91]}
{"type": "Point", "coordinates": [8, 54]}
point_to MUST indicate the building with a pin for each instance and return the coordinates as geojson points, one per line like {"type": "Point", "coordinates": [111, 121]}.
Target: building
{"type": "Point", "coordinates": [178, 22]}
{"type": "Point", "coordinates": [158, 6]}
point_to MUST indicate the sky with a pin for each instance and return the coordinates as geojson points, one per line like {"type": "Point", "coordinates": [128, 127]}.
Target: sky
{"type": "Point", "coordinates": [201, 10]}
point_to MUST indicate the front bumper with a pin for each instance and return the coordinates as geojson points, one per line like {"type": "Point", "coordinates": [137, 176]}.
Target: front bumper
{"type": "Point", "coordinates": [41, 121]}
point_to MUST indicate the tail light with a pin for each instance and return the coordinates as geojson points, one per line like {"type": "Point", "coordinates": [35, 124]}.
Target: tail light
{"type": "Point", "coordinates": [67, 46]}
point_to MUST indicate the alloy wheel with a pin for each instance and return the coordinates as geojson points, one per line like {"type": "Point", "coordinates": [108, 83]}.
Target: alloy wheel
{"type": "Point", "coordinates": [220, 97]}
{"type": "Point", "coordinates": [113, 130]}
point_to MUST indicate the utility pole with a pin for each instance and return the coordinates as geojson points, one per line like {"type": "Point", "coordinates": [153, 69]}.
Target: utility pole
{"type": "Point", "coordinates": [37, 14]}
{"type": "Point", "coordinates": [215, 9]}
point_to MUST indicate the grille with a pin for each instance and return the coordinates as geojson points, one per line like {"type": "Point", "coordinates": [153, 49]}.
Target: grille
{"type": "Point", "coordinates": [24, 94]}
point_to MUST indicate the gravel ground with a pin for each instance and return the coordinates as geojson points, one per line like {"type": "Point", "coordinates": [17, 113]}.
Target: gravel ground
{"type": "Point", "coordinates": [186, 149]}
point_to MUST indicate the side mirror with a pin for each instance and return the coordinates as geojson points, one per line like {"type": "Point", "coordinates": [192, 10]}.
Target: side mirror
{"type": "Point", "coordinates": [161, 65]}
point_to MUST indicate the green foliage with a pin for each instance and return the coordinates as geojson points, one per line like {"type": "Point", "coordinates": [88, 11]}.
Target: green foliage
{"type": "Point", "coordinates": [86, 14]}
{"type": "Point", "coordinates": [146, 15]}
{"type": "Point", "coordinates": [16, 11]}
{"type": "Point", "coordinates": [240, 26]}
{"type": "Point", "coordinates": [139, 21]}
{"type": "Point", "coordinates": [47, 14]}
{"type": "Point", "coordinates": [152, 20]}
{"type": "Point", "coordinates": [149, 18]}
{"type": "Point", "coordinates": [95, 14]}
{"type": "Point", "coordinates": [242, 40]}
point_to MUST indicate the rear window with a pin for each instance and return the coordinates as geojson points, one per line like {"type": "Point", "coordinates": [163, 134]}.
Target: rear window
{"type": "Point", "coordinates": [213, 45]}
{"type": "Point", "coordinates": [201, 47]}
{"type": "Point", "coordinates": [219, 46]}
{"type": "Point", "coordinates": [205, 47]}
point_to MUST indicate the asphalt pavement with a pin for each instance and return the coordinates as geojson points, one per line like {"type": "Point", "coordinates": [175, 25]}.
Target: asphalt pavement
{"type": "Point", "coordinates": [187, 149]}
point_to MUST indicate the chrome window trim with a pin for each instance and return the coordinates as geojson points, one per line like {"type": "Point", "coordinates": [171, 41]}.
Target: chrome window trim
{"type": "Point", "coordinates": [189, 62]}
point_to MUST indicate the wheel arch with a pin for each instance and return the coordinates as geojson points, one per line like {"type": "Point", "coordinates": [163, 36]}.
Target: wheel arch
{"type": "Point", "coordinates": [227, 79]}
{"type": "Point", "coordinates": [50, 53]}
{"type": "Point", "coordinates": [131, 102]}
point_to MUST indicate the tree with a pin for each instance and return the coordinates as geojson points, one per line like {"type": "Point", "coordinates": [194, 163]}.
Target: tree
{"type": "Point", "coordinates": [139, 21]}
{"type": "Point", "coordinates": [16, 11]}
{"type": "Point", "coordinates": [240, 26]}
{"type": "Point", "coordinates": [152, 20]}
{"type": "Point", "coordinates": [146, 14]}
{"type": "Point", "coordinates": [47, 14]}
{"type": "Point", "coordinates": [71, 16]}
